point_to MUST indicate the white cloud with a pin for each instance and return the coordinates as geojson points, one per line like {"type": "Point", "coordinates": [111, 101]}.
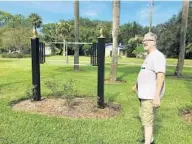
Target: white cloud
{"type": "Point", "coordinates": [144, 12]}
{"type": "Point", "coordinates": [93, 9]}
{"type": "Point", "coordinates": [157, 14]}
{"type": "Point", "coordinates": [65, 7]}
{"type": "Point", "coordinates": [89, 13]}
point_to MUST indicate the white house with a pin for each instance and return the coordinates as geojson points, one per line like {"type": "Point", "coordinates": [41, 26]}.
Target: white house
{"type": "Point", "coordinates": [47, 50]}
{"type": "Point", "coordinates": [120, 49]}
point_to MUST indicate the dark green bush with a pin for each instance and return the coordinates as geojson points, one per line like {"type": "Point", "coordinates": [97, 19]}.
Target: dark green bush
{"type": "Point", "coordinates": [15, 55]}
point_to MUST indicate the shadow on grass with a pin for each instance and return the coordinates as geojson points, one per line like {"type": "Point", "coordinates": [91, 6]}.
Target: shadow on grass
{"type": "Point", "coordinates": [81, 69]}
{"type": "Point", "coordinates": [5, 61]}
{"type": "Point", "coordinates": [112, 97]}
{"type": "Point", "coordinates": [125, 69]}
{"type": "Point", "coordinates": [12, 83]}
{"type": "Point", "coordinates": [128, 70]}
{"type": "Point", "coordinates": [186, 78]}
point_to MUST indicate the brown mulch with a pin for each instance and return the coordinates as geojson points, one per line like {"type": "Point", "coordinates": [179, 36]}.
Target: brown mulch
{"type": "Point", "coordinates": [107, 81]}
{"type": "Point", "coordinates": [187, 115]}
{"type": "Point", "coordinates": [80, 108]}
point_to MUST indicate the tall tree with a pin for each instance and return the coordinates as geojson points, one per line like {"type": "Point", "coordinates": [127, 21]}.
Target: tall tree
{"type": "Point", "coordinates": [180, 63]}
{"type": "Point", "coordinates": [76, 51]}
{"type": "Point", "coordinates": [151, 15]}
{"type": "Point", "coordinates": [5, 18]}
{"type": "Point", "coordinates": [115, 32]}
{"type": "Point", "coordinates": [35, 20]}
{"type": "Point", "coordinates": [16, 39]}
{"type": "Point", "coordinates": [63, 30]}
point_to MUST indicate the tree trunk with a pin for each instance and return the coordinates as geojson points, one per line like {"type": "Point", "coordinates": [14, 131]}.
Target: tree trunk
{"type": "Point", "coordinates": [76, 51]}
{"type": "Point", "coordinates": [151, 15]}
{"type": "Point", "coordinates": [64, 54]}
{"type": "Point", "coordinates": [114, 62]}
{"type": "Point", "coordinates": [180, 62]}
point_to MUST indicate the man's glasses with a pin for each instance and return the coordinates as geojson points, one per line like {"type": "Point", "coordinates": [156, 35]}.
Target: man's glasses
{"type": "Point", "coordinates": [147, 40]}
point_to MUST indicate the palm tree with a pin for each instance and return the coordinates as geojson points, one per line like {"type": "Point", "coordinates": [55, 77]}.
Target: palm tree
{"type": "Point", "coordinates": [35, 20]}
{"type": "Point", "coordinates": [5, 17]}
{"type": "Point", "coordinates": [180, 62]}
{"type": "Point", "coordinates": [151, 15]}
{"type": "Point", "coordinates": [115, 31]}
{"type": "Point", "coordinates": [136, 40]}
{"type": "Point", "coordinates": [63, 28]}
{"type": "Point", "coordinates": [76, 51]}
{"type": "Point", "coordinates": [189, 48]}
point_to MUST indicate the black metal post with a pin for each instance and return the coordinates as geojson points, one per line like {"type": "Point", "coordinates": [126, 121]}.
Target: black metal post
{"type": "Point", "coordinates": [96, 53]}
{"type": "Point", "coordinates": [91, 54]}
{"type": "Point", "coordinates": [35, 69]}
{"type": "Point", "coordinates": [94, 56]}
{"type": "Point", "coordinates": [94, 44]}
{"type": "Point", "coordinates": [40, 53]}
{"type": "Point", "coordinates": [43, 52]}
{"type": "Point", "coordinates": [101, 62]}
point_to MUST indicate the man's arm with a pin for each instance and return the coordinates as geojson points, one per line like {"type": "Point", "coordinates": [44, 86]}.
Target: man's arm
{"type": "Point", "coordinates": [159, 84]}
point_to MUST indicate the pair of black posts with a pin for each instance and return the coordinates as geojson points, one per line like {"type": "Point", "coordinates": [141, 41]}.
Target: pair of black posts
{"type": "Point", "coordinates": [97, 59]}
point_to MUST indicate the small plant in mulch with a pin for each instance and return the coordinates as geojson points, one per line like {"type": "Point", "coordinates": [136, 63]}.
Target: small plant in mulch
{"type": "Point", "coordinates": [54, 87]}
{"type": "Point", "coordinates": [118, 81]}
{"type": "Point", "coordinates": [186, 114]}
{"type": "Point", "coordinates": [69, 93]}
{"type": "Point", "coordinates": [67, 103]}
{"type": "Point", "coordinates": [28, 93]}
{"type": "Point", "coordinates": [110, 104]}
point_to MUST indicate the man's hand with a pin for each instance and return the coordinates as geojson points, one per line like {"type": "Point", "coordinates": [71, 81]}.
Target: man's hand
{"type": "Point", "coordinates": [160, 80]}
{"type": "Point", "coordinates": [156, 101]}
{"type": "Point", "coordinates": [134, 89]}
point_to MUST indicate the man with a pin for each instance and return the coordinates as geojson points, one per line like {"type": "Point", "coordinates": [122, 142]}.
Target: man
{"type": "Point", "coordinates": [150, 85]}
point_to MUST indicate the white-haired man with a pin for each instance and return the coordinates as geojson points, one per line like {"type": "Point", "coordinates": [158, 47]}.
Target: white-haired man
{"type": "Point", "coordinates": [150, 85]}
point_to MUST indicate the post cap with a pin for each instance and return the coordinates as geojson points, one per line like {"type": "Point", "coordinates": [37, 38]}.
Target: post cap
{"type": "Point", "coordinates": [101, 33]}
{"type": "Point", "coordinates": [34, 33]}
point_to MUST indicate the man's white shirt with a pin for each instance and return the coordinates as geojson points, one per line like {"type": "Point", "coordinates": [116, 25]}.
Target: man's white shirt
{"type": "Point", "coordinates": [154, 63]}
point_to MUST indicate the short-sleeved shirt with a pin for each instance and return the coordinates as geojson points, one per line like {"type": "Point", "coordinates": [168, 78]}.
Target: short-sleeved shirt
{"type": "Point", "coordinates": [154, 63]}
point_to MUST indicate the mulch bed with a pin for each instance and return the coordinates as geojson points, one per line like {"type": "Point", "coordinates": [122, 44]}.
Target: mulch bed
{"type": "Point", "coordinates": [80, 108]}
{"type": "Point", "coordinates": [186, 114]}
{"type": "Point", "coordinates": [107, 81]}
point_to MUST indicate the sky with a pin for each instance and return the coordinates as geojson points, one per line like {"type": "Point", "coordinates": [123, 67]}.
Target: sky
{"type": "Point", "coordinates": [53, 11]}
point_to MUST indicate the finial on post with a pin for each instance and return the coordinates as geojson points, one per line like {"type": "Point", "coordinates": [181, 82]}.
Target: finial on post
{"type": "Point", "coordinates": [34, 33]}
{"type": "Point", "coordinates": [101, 33]}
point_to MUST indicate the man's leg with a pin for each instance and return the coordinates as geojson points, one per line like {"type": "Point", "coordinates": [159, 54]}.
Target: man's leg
{"type": "Point", "coordinates": [148, 134]}
{"type": "Point", "coordinates": [147, 119]}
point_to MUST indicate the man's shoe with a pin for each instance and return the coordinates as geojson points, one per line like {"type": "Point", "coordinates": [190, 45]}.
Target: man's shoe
{"type": "Point", "coordinates": [143, 141]}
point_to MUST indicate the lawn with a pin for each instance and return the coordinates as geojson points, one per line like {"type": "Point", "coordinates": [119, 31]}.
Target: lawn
{"type": "Point", "coordinates": [24, 128]}
{"type": "Point", "coordinates": [84, 59]}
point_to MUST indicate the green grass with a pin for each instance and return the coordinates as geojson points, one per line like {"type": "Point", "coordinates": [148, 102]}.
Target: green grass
{"type": "Point", "coordinates": [24, 128]}
{"type": "Point", "coordinates": [84, 59]}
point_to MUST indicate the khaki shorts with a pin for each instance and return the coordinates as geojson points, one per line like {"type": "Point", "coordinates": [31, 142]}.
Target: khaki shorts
{"type": "Point", "coordinates": [147, 112]}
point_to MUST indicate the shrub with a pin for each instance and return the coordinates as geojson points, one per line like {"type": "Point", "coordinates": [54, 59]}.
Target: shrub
{"type": "Point", "coordinates": [139, 52]}
{"type": "Point", "coordinates": [15, 55]}
{"type": "Point", "coordinates": [53, 86]}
